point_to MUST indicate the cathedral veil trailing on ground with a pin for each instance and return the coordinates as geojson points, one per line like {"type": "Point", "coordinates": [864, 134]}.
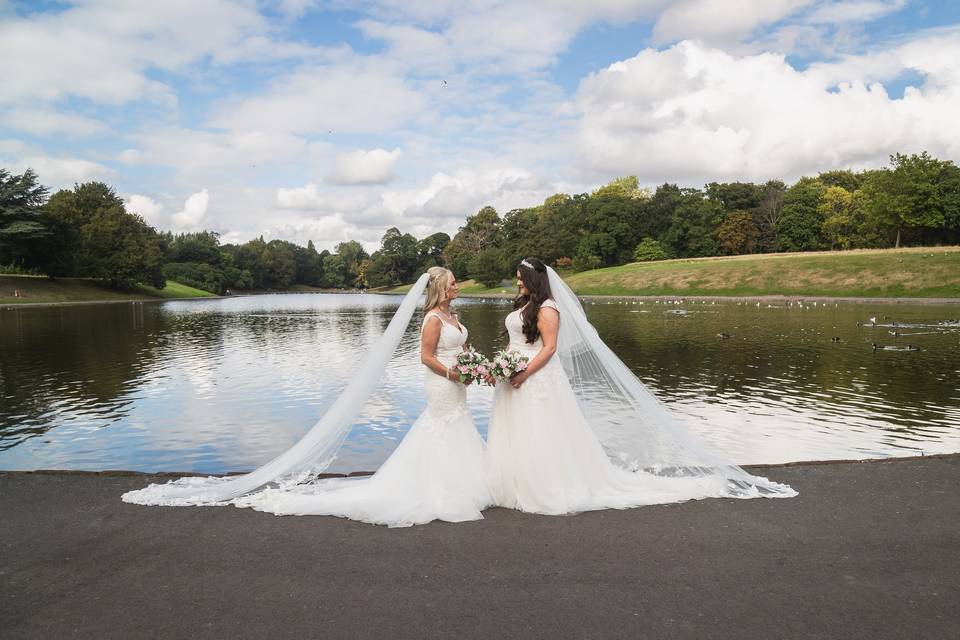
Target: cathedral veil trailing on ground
{"type": "Point", "coordinates": [636, 430]}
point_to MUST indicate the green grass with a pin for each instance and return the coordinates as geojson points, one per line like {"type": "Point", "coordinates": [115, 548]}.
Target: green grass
{"type": "Point", "coordinates": [467, 288]}
{"type": "Point", "coordinates": [899, 273]}
{"type": "Point", "coordinates": [41, 289]}
{"type": "Point", "coordinates": [931, 272]}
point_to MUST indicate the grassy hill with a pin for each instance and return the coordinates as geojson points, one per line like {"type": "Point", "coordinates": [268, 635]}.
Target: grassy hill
{"type": "Point", "coordinates": [41, 289]}
{"type": "Point", "coordinates": [896, 273]}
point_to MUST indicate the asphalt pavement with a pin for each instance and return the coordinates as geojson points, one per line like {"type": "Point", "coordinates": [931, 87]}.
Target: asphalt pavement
{"type": "Point", "coordinates": [867, 550]}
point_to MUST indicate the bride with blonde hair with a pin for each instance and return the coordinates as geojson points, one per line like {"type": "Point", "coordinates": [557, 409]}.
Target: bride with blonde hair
{"type": "Point", "coordinates": [436, 472]}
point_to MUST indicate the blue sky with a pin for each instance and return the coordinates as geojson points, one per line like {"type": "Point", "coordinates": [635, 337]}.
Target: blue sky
{"type": "Point", "coordinates": [303, 119]}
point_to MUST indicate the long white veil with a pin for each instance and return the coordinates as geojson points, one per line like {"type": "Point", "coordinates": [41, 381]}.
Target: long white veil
{"type": "Point", "coordinates": [635, 428]}
{"type": "Point", "coordinates": [315, 451]}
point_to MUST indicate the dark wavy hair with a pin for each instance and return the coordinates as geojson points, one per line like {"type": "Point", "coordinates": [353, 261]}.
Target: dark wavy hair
{"type": "Point", "coordinates": [538, 284]}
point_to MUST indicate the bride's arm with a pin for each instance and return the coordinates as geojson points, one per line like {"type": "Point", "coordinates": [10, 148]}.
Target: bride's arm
{"type": "Point", "coordinates": [429, 338]}
{"type": "Point", "coordinates": [548, 323]}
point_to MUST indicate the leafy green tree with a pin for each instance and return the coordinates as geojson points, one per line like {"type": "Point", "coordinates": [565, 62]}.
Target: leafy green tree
{"type": "Point", "coordinates": [600, 245]}
{"type": "Point", "coordinates": [649, 250]}
{"type": "Point", "coordinates": [430, 250]}
{"type": "Point", "coordinates": [585, 261]}
{"type": "Point", "coordinates": [625, 187]}
{"type": "Point", "coordinates": [911, 195]}
{"type": "Point", "coordinates": [768, 213]}
{"type": "Point", "coordinates": [352, 254]}
{"type": "Point", "coordinates": [334, 272]}
{"type": "Point", "coordinates": [548, 231]}
{"type": "Point", "coordinates": [611, 225]}
{"type": "Point", "coordinates": [801, 222]}
{"type": "Point", "coordinates": [738, 234]}
{"type": "Point", "coordinates": [196, 274]}
{"type": "Point", "coordinates": [22, 229]}
{"type": "Point", "coordinates": [280, 265]}
{"type": "Point", "coordinates": [844, 218]}
{"type": "Point", "coordinates": [481, 231]}
{"type": "Point", "coordinates": [841, 178]}
{"type": "Point", "coordinates": [658, 211]}
{"type": "Point", "coordinates": [121, 249]}
{"type": "Point", "coordinates": [520, 233]}
{"type": "Point", "coordinates": [309, 265]}
{"type": "Point", "coordinates": [489, 267]}
{"type": "Point", "coordinates": [692, 228]}
{"type": "Point", "coordinates": [202, 246]}
{"type": "Point", "coordinates": [736, 196]}
{"type": "Point", "coordinates": [401, 251]}
{"type": "Point", "coordinates": [249, 257]}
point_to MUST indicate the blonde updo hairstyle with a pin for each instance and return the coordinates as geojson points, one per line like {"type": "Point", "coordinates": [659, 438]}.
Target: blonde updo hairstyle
{"type": "Point", "coordinates": [438, 283]}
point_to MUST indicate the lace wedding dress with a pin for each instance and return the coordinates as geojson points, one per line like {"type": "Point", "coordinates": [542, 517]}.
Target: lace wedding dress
{"type": "Point", "coordinates": [544, 457]}
{"type": "Point", "coordinates": [436, 473]}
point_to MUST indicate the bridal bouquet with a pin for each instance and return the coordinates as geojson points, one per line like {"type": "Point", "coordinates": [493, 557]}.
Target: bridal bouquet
{"type": "Point", "coordinates": [507, 363]}
{"type": "Point", "coordinates": [471, 366]}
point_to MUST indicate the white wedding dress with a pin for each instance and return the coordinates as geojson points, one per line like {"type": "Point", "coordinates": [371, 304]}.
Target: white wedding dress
{"type": "Point", "coordinates": [543, 457]}
{"type": "Point", "coordinates": [436, 473]}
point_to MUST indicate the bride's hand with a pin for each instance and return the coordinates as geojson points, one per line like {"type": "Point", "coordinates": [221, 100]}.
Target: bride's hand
{"type": "Point", "coordinates": [490, 380]}
{"type": "Point", "coordinates": [518, 379]}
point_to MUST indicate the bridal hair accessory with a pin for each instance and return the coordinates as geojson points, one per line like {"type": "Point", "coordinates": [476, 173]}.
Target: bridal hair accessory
{"type": "Point", "coordinates": [527, 264]}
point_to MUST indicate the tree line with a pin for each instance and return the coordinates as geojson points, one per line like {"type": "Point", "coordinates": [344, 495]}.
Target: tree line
{"type": "Point", "coordinates": [87, 232]}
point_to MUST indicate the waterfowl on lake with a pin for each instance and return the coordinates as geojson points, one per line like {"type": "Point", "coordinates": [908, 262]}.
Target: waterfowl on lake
{"type": "Point", "coordinates": [894, 347]}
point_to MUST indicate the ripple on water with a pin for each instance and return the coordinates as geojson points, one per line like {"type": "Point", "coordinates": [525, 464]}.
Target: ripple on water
{"type": "Point", "coordinates": [221, 385]}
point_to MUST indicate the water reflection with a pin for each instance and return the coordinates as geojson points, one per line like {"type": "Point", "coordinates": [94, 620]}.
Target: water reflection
{"type": "Point", "coordinates": [217, 385]}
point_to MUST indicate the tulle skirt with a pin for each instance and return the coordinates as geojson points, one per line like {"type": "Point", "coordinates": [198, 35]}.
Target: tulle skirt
{"type": "Point", "coordinates": [542, 456]}
{"type": "Point", "coordinates": [436, 473]}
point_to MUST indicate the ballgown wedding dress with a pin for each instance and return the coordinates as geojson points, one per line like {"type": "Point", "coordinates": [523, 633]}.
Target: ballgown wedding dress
{"type": "Point", "coordinates": [544, 457]}
{"type": "Point", "coordinates": [436, 473]}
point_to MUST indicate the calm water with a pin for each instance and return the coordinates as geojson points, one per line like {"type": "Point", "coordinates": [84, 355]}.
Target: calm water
{"type": "Point", "coordinates": [223, 385]}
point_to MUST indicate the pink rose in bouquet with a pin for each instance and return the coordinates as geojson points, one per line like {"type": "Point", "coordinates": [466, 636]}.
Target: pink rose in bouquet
{"type": "Point", "coordinates": [506, 364]}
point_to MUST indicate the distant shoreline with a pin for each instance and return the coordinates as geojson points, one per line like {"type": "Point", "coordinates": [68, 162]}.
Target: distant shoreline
{"type": "Point", "coordinates": [769, 299]}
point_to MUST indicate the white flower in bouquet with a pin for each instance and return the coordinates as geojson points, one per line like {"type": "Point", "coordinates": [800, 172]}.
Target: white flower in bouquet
{"type": "Point", "coordinates": [471, 366]}
{"type": "Point", "coordinates": [506, 364]}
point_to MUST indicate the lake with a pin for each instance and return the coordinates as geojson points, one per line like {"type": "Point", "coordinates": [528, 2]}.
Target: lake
{"type": "Point", "coordinates": [226, 384]}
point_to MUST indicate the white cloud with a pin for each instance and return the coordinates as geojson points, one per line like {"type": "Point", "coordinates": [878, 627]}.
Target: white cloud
{"type": "Point", "coordinates": [104, 50]}
{"type": "Point", "coordinates": [200, 153]}
{"type": "Point", "coordinates": [364, 167]}
{"type": "Point", "coordinates": [720, 21]}
{"type": "Point", "coordinates": [854, 11]}
{"type": "Point", "coordinates": [356, 96]}
{"type": "Point", "coordinates": [693, 113]}
{"type": "Point", "coordinates": [54, 171]}
{"type": "Point", "coordinates": [491, 36]}
{"type": "Point", "coordinates": [146, 207]}
{"type": "Point", "coordinates": [463, 192]}
{"type": "Point", "coordinates": [194, 211]}
{"type": "Point", "coordinates": [43, 122]}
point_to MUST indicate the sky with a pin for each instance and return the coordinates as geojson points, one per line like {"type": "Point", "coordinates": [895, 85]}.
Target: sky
{"type": "Point", "coordinates": [331, 121]}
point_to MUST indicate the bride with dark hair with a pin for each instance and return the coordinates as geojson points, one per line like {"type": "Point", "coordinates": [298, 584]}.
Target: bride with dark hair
{"type": "Point", "coordinates": [573, 432]}
{"type": "Point", "coordinates": [577, 431]}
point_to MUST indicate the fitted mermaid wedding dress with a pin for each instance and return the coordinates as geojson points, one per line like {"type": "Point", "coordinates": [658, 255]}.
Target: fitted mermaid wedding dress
{"type": "Point", "coordinates": [436, 473]}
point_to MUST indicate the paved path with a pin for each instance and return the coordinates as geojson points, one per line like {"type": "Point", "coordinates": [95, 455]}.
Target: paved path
{"type": "Point", "coordinates": [868, 550]}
